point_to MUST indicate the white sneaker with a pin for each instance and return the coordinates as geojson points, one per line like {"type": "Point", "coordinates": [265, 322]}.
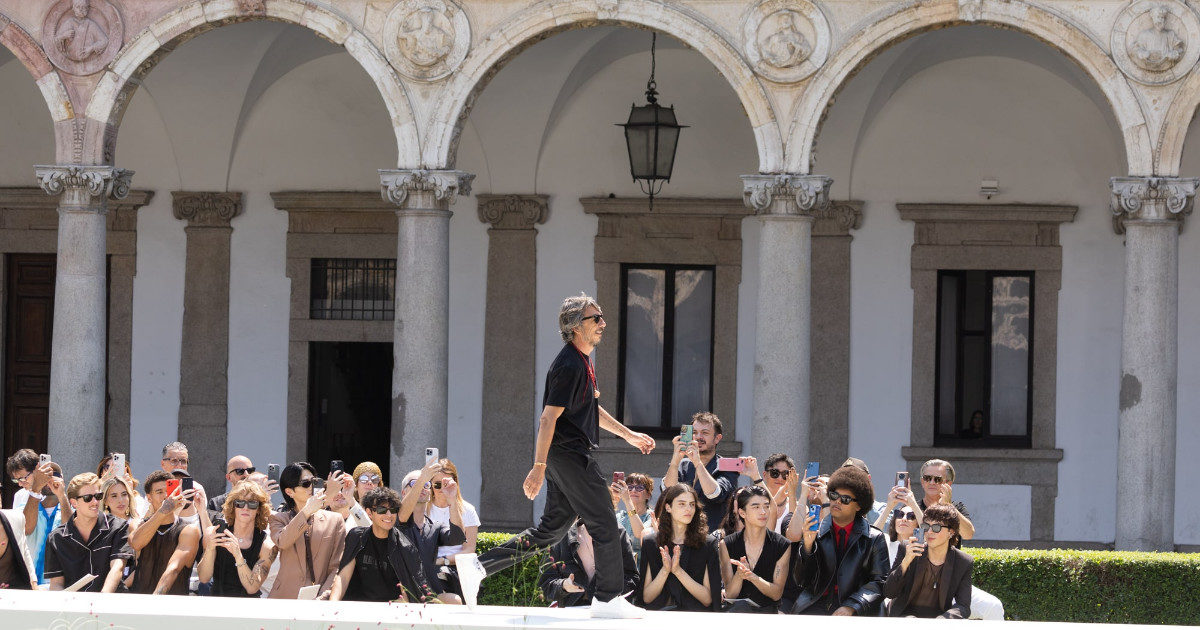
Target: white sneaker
{"type": "Point", "coordinates": [616, 608]}
{"type": "Point", "coordinates": [470, 574]}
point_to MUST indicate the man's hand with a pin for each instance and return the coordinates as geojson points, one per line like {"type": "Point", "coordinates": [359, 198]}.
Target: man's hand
{"type": "Point", "coordinates": [947, 494]}
{"type": "Point", "coordinates": [692, 452]}
{"type": "Point", "coordinates": [640, 441]}
{"type": "Point", "coordinates": [912, 551]}
{"type": "Point", "coordinates": [570, 586]}
{"type": "Point", "coordinates": [750, 467]}
{"type": "Point", "coordinates": [40, 478]}
{"type": "Point", "coordinates": [810, 534]}
{"type": "Point", "coordinates": [315, 504]}
{"type": "Point", "coordinates": [199, 499]}
{"type": "Point", "coordinates": [743, 568]}
{"type": "Point", "coordinates": [793, 482]}
{"type": "Point", "coordinates": [533, 481]}
{"type": "Point", "coordinates": [844, 611]}
{"type": "Point", "coordinates": [677, 450]}
{"type": "Point", "coordinates": [429, 471]}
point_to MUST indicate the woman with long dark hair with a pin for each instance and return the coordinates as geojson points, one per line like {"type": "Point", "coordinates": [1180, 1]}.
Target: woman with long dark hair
{"type": "Point", "coordinates": [680, 568]}
{"type": "Point", "coordinates": [754, 559]}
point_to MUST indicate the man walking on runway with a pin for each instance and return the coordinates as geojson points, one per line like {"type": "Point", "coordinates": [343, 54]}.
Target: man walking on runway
{"type": "Point", "coordinates": [568, 431]}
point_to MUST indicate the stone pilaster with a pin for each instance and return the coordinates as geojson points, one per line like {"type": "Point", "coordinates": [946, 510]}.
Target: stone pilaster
{"type": "Point", "coordinates": [419, 378]}
{"type": "Point", "coordinates": [204, 352]}
{"type": "Point", "coordinates": [78, 357]}
{"type": "Point", "coordinates": [786, 205]}
{"type": "Point", "coordinates": [829, 404]}
{"type": "Point", "coordinates": [1150, 211]}
{"type": "Point", "coordinates": [509, 376]}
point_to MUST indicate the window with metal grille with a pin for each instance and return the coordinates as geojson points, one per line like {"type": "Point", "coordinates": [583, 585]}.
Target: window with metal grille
{"type": "Point", "coordinates": [353, 288]}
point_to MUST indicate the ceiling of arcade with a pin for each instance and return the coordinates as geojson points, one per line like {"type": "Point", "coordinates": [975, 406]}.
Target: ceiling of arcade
{"type": "Point", "coordinates": [785, 59]}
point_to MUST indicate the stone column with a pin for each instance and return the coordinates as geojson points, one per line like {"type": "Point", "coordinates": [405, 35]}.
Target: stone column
{"type": "Point", "coordinates": [204, 352]}
{"type": "Point", "coordinates": [786, 205]}
{"type": "Point", "coordinates": [1150, 212]}
{"type": "Point", "coordinates": [509, 377]}
{"type": "Point", "coordinates": [78, 352]}
{"type": "Point", "coordinates": [419, 376]}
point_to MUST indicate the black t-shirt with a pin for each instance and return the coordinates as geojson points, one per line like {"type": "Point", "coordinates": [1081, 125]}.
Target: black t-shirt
{"type": "Point", "coordinates": [570, 384]}
{"type": "Point", "coordinates": [373, 579]}
{"type": "Point", "coordinates": [69, 557]}
{"type": "Point", "coordinates": [773, 549]}
{"type": "Point", "coordinates": [696, 562]}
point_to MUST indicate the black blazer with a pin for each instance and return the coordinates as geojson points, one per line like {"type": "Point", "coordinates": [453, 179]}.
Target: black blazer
{"type": "Point", "coordinates": [564, 561]}
{"type": "Point", "coordinates": [956, 581]}
{"type": "Point", "coordinates": [859, 577]}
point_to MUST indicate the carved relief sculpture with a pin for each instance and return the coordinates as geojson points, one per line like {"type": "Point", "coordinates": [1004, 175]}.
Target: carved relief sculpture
{"type": "Point", "coordinates": [427, 39]}
{"type": "Point", "coordinates": [785, 40]}
{"type": "Point", "coordinates": [1154, 41]}
{"type": "Point", "coordinates": [970, 10]}
{"type": "Point", "coordinates": [82, 36]}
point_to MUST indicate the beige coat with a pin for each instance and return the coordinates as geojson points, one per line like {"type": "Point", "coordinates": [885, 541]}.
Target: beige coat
{"type": "Point", "coordinates": [327, 535]}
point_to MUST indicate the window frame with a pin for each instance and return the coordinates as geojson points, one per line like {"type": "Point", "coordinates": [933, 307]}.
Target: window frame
{"type": "Point", "coordinates": [988, 440]}
{"type": "Point", "coordinates": [664, 428]}
{"type": "Point", "coordinates": [368, 266]}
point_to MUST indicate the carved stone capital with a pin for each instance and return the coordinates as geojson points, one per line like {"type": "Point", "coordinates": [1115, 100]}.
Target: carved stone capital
{"type": "Point", "coordinates": [786, 194]}
{"type": "Point", "coordinates": [206, 209]}
{"type": "Point", "coordinates": [81, 185]}
{"type": "Point", "coordinates": [1151, 200]}
{"type": "Point", "coordinates": [513, 212]}
{"type": "Point", "coordinates": [420, 189]}
{"type": "Point", "coordinates": [838, 218]}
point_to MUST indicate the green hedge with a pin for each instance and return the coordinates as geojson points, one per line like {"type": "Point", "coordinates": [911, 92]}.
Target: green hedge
{"type": "Point", "coordinates": [1054, 585]}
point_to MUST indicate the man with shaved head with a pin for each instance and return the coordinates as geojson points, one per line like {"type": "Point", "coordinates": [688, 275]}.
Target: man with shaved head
{"type": "Point", "coordinates": [237, 469]}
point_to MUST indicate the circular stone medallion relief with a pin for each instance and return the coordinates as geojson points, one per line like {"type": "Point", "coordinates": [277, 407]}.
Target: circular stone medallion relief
{"type": "Point", "coordinates": [1156, 42]}
{"type": "Point", "coordinates": [785, 40]}
{"type": "Point", "coordinates": [82, 36]}
{"type": "Point", "coordinates": [427, 39]}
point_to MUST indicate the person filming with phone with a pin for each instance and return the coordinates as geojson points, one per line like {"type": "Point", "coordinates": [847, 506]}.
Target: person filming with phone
{"type": "Point", "coordinates": [92, 543]}
{"type": "Point", "coordinates": [237, 551]}
{"type": "Point", "coordinates": [166, 545]}
{"type": "Point", "coordinates": [310, 539]}
{"type": "Point", "coordinates": [930, 578]}
{"type": "Point", "coordinates": [694, 463]}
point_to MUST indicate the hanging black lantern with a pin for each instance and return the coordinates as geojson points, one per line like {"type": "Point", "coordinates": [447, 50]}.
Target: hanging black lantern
{"type": "Point", "coordinates": [652, 135]}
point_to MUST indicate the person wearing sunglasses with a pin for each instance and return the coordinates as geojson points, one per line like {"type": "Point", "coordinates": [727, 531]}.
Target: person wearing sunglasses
{"type": "Point", "coordinates": [782, 481]}
{"type": "Point", "coordinates": [841, 570]}
{"type": "Point", "coordinates": [310, 539]}
{"type": "Point", "coordinates": [237, 470]}
{"type": "Point", "coordinates": [380, 563]}
{"type": "Point", "coordinates": [900, 527]}
{"type": "Point", "coordinates": [92, 542]}
{"type": "Point", "coordinates": [931, 579]}
{"type": "Point", "coordinates": [44, 505]}
{"type": "Point", "coordinates": [237, 552]}
{"type": "Point", "coordinates": [636, 518]}
{"type": "Point", "coordinates": [367, 477]}
{"type": "Point", "coordinates": [165, 543]}
{"type": "Point", "coordinates": [416, 494]}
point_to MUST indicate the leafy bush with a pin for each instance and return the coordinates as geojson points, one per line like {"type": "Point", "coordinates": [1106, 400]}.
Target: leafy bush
{"type": "Point", "coordinates": [1054, 585]}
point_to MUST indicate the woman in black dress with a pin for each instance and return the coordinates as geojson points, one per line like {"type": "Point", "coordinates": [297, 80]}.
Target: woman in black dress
{"type": "Point", "coordinates": [237, 551]}
{"type": "Point", "coordinates": [679, 567]}
{"type": "Point", "coordinates": [754, 559]}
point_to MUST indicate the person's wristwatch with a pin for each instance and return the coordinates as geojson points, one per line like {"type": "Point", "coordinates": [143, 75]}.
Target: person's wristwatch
{"type": "Point", "coordinates": [754, 481]}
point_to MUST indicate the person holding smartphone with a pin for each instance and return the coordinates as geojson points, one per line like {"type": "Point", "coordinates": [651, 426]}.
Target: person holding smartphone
{"type": "Point", "coordinates": [91, 543]}
{"type": "Point", "coordinates": [635, 519]}
{"type": "Point", "coordinates": [931, 579]}
{"type": "Point", "coordinates": [695, 463]}
{"type": "Point", "coordinates": [166, 545]}
{"type": "Point", "coordinates": [449, 508]}
{"type": "Point", "coordinates": [237, 552]}
{"type": "Point", "coordinates": [755, 561]}
{"type": "Point", "coordinates": [44, 505]}
{"type": "Point", "coordinates": [899, 496]}
{"type": "Point", "coordinates": [568, 432]}
{"type": "Point", "coordinates": [310, 538]}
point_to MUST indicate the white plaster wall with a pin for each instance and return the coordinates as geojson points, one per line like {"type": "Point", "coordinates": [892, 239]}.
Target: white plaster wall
{"type": "Point", "coordinates": [1187, 465]}
{"type": "Point", "coordinates": [942, 131]}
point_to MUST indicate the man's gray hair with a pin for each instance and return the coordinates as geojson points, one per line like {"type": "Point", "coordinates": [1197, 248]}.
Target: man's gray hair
{"type": "Point", "coordinates": [174, 446]}
{"type": "Point", "coordinates": [570, 315]}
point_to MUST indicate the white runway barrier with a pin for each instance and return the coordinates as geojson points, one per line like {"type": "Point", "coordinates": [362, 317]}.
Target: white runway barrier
{"type": "Point", "coordinates": [25, 610]}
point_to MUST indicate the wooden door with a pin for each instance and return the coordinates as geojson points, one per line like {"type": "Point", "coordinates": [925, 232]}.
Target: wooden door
{"type": "Point", "coordinates": [29, 317]}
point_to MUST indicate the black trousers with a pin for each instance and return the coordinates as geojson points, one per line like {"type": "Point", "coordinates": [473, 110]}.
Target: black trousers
{"type": "Point", "coordinates": [575, 488]}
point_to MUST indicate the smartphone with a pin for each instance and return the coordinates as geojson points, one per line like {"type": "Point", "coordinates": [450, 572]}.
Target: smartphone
{"type": "Point", "coordinates": [318, 485]}
{"type": "Point", "coordinates": [43, 459]}
{"type": "Point", "coordinates": [618, 476]}
{"type": "Point", "coordinates": [685, 433]}
{"type": "Point", "coordinates": [222, 527]}
{"type": "Point", "coordinates": [902, 479]}
{"type": "Point", "coordinates": [814, 511]}
{"type": "Point", "coordinates": [172, 486]}
{"type": "Point", "coordinates": [920, 534]}
{"type": "Point", "coordinates": [118, 464]}
{"type": "Point", "coordinates": [187, 483]}
{"type": "Point", "coordinates": [337, 466]}
{"type": "Point", "coordinates": [813, 469]}
{"type": "Point", "coordinates": [731, 464]}
{"type": "Point", "coordinates": [431, 455]}
{"type": "Point", "coordinates": [273, 472]}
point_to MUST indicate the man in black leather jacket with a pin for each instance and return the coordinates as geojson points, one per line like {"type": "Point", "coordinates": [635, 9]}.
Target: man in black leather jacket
{"type": "Point", "coordinates": [841, 571]}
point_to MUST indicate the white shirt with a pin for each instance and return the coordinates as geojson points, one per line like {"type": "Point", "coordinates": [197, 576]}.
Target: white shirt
{"type": "Point", "coordinates": [442, 515]}
{"type": "Point", "coordinates": [21, 497]}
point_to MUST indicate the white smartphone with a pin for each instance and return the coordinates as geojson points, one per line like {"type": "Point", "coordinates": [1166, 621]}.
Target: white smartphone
{"type": "Point", "coordinates": [43, 459]}
{"type": "Point", "coordinates": [431, 455]}
{"type": "Point", "coordinates": [309, 592]}
{"type": "Point", "coordinates": [118, 464]}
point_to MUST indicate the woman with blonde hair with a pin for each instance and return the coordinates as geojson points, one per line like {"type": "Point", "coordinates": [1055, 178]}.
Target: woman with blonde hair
{"type": "Point", "coordinates": [138, 505]}
{"type": "Point", "coordinates": [119, 500]}
{"type": "Point", "coordinates": [448, 506]}
{"type": "Point", "coordinates": [237, 551]}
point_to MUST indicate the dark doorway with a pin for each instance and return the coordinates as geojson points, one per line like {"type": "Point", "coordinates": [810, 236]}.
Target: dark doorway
{"type": "Point", "coordinates": [29, 314]}
{"type": "Point", "coordinates": [349, 404]}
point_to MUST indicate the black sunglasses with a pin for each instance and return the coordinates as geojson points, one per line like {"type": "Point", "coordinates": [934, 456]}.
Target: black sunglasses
{"type": "Point", "coordinates": [597, 318]}
{"type": "Point", "coordinates": [776, 473]}
{"type": "Point", "coordinates": [846, 499]}
{"type": "Point", "coordinates": [934, 527]}
{"type": "Point", "coordinates": [88, 498]}
{"type": "Point", "coordinates": [242, 504]}
{"type": "Point", "coordinates": [307, 483]}
{"type": "Point", "coordinates": [907, 515]}
{"type": "Point", "coordinates": [242, 471]}
{"type": "Point", "coordinates": [384, 509]}
{"type": "Point", "coordinates": [637, 487]}
{"type": "Point", "coordinates": [933, 478]}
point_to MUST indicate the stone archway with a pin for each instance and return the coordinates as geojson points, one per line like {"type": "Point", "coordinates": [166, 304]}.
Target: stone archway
{"type": "Point", "coordinates": [1168, 155]}
{"type": "Point", "coordinates": [31, 55]}
{"type": "Point", "coordinates": [543, 20]}
{"type": "Point", "coordinates": [913, 20]}
{"type": "Point", "coordinates": [139, 56]}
